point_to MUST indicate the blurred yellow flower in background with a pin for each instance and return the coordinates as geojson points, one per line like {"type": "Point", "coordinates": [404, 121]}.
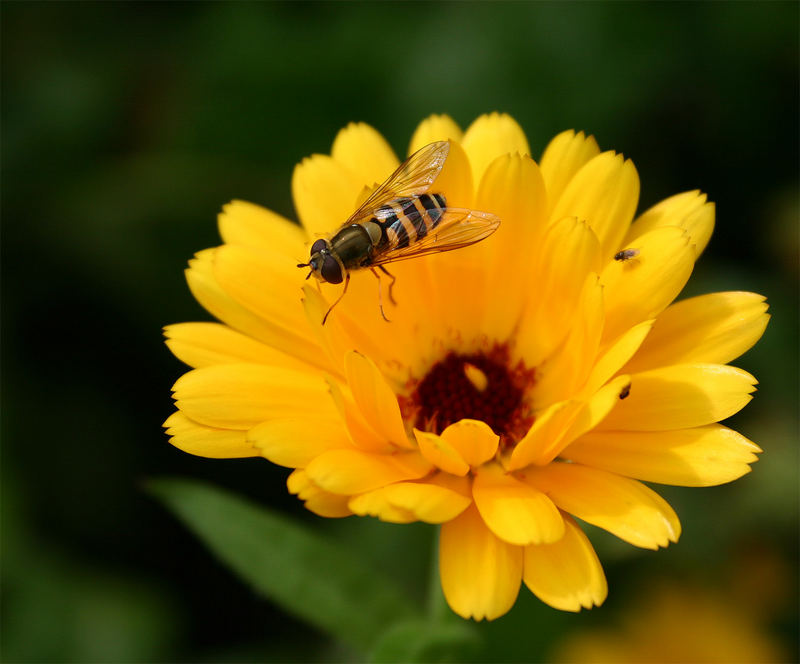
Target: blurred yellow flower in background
{"type": "Point", "coordinates": [676, 625]}
{"type": "Point", "coordinates": [534, 378]}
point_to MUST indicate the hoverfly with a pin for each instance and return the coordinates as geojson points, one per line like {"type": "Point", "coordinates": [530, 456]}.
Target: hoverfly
{"type": "Point", "coordinates": [401, 219]}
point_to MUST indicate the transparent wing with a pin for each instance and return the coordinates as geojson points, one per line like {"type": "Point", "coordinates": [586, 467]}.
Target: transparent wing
{"type": "Point", "coordinates": [458, 227]}
{"type": "Point", "coordinates": [412, 178]}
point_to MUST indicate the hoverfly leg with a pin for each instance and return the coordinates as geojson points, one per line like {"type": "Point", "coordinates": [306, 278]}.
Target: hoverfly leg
{"type": "Point", "coordinates": [380, 294]}
{"type": "Point", "coordinates": [338, 299]}
{"type": "Point", "coordinates": [391, 285]}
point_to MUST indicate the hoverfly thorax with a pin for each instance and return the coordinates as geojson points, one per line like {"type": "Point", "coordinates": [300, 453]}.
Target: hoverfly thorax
{"type": "Point", "coordinates": [403, 218]}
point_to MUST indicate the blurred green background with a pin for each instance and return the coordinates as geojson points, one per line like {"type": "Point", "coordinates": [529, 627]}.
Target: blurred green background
{"type": "Point", "coordinates": [125, 126]}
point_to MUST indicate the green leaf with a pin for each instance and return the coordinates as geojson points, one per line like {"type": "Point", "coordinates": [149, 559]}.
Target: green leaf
{"type": "Point", "coordinates": [428, 641]}
{"type": "Point", "coordinates": [305, 573]}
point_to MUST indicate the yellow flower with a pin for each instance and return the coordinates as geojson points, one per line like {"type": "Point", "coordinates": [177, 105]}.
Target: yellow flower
{"type": "Point", "coordinates": [522, 382]}
{"type": "Point", "coordinates": [678, 623]}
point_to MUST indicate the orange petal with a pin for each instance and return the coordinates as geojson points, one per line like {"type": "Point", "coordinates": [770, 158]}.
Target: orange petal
{"type": "Point", "coordinates": [324, 193]}
{"type": "Point", "coordinates": [512, 188]}
{"type": "Point", "coordinates": [492, 136]}
{"type": "Point", "coordinates": [688, 210]}
{"type": "Point", "coordinates": [612, 360]}
{"type": "Point", "coordinates": [714, 328]}
{"type": "Point", "coordinates": [565, 372]}
{"type": "Point", "coordinates": [364, 152]}
{"type": "Point", "coordinates": [703, 456]}
{"type": "Point", "coordinates": [212, 442]}
{"type": "Point", "coordinates": [624, 507]}
{"type": "Point", "coordinates": [481, 574]}
{"type": "Point", "coordinates": [350, 472]}
{"type": "Point", "coordinates": [440, 453]}
{"type": "Point", "coordinates": [514, 511]}
{"type": "Point", "coordinates": [321, 503]}
{"type": "Point", "coordinates": [563, 158]}
{"type": "Point", "coordinates": [375, 399]}
{"type": "Point", "coordinates": [294, 443]}
{"type": "Point", "coordinates": [434, 128]}
{"type": "Point", "coordinates": [239, 396]}
{"type": "Point", "coordinates": [271, 289]}
{"type": "Point", "coordinates": [569, 254]}
{"type": "Point", "coordinates": [604, 192]}
{"type": "Point", "coordinates": [206, 344]}
{"type": "Point", "coordinates": [547, 431]}
{"type": "Point", "coordinates": [423, 501]}
{"type": "Point", "coordinates": [361, 433]}
{"type": "Point", "coordinates": [566, 574]}
{"type": "Point", "coordinates": [680, 397]}
{"type": "Point", "coordinates": [257, 227]}
{"type": "Point", "coordinates": [639, 289]}
{"type": "Point", "coordinates": [207, 291]}
{"type": "Point", "coordinates": [474, 441]}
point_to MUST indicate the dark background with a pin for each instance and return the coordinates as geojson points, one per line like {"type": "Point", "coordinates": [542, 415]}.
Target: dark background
{"type": "Point", "coordinates": [126, 126]}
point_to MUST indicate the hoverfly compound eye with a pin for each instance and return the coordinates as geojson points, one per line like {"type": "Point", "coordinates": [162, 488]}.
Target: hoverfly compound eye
{"type": "Point", "coordinates": [331, 270]}
{"type": "Point", "coordinates": [318, 246]}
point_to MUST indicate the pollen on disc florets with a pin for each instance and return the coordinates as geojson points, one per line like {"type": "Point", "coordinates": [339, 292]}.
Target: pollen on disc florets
{"type": "Point", "coordinates": [479, 386]}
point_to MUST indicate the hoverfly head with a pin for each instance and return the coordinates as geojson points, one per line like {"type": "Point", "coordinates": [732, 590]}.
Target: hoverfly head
{"type": "Point", "coordinates": [324, 265]}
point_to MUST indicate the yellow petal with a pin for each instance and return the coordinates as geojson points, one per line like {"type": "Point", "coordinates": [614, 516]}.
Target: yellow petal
{"type": "Point", "coordinates": [624, 507]}
{"type": "Point", "coordinates": [566, 371]}
{"type": "Point", "coordinates": [441, 454]}
{"type": "Point", "coordinates": [566, 574]}
{"type": "Point", "coordinates": [480, 573]}
{"type": "Point", "coordinates": [375, 399]}
{"type": "Point", "coordinates": [321, 503]}
{"type": "Point", "coordinates": [547, 431]}
{"type": "Point", "coordinates": [324, 193]}
{"type": "Point", "coordinates": [491, 136]}
{"type": "Point", "coordinates": [207, 291]}
{"type": "Point", "coordinates": [641, 288]}
{"type": "Point", "coordinates": [361, 433]}
{"type": "Point", "coordinates": [514, 511]}
{"type": "Point", "coordinates": [569, 253]}
{"type": "Point", "coordinates": [424, 501]}
{"type": "Point", "coordinates": [256, 227]}
{"type": "Point", "coordinates": [612, 360]}
{"type": "Point", "coordinates": [513, 189]}
{"type": "Point", "coordinates": [704, 456]}
{"type": "Point", "coordinates": [564, 156]}
{"type": "Point", "coordinates": [271, 289]}
{"type": "Point", "coordinates": [596, 408]}
{"type": "Point", "coordinates": [681, 396]}
{"type": "Point", "coordinates": [563, 422]}
{"type": "Point", "coordinates": [212, 442]}
{"type": "Point", "coordinates": [205, 344]}
{"type": "Point", "coordinates": [714, 328]}
{"type": "Point", "coordinates": [688, 210]}
{"type": "Point", "coordinates": [365, 153]}
{"type": "Point", "coordinates": [434, 128]}
{"type": "Point", "coordinates": [239, 396]}
{"type": "Point", "coordinates": [355, 471]}
{"type": "Point", "coordinates": [474, 441]}
{"type": "Point", "coordinates": [295, 442]}
{"type": "Point", "coordinates": [604, 192]}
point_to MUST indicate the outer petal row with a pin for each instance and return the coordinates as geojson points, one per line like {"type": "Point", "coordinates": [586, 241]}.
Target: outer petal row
{"type": "Point", "coordinates": [481, 573]}
{"type": "Point", "coordinates": [703, 456]}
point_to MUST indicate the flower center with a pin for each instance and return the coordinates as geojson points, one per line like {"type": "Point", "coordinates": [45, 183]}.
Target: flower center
{"type": "Point", "coordinates": [479, 386]}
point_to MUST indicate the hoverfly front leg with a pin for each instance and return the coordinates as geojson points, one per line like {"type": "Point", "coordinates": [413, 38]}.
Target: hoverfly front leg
{"type": "Point", "coordinates": [338, 299]}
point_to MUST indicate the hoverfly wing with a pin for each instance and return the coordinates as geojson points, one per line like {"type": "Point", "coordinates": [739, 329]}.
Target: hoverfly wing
{"type": "Point", "coordinates": [457, 228]}
{"type": "Point", "coordinates": [412, 178]}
